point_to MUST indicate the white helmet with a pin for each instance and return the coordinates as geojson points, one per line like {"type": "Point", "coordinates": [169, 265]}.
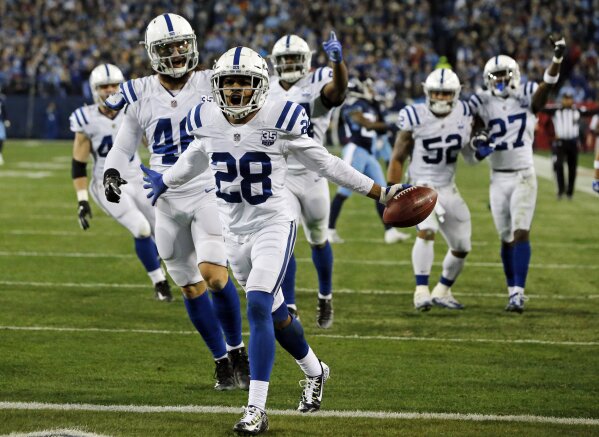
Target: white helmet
{"type": "Point", "coordinates": [444, 80]}
{"type": "Point", "coordinates": [161, 33]}
{"type": "Point", "coordinates": [505, 84]}
{"type": "Point", "coordinates": [104, 74]}
{"type": "Point", "coordinates": [240, 61]}
{"type": "Point", "coordinates": [291, 45]}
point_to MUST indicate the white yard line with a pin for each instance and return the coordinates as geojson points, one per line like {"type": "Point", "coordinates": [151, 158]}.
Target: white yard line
{"type": "Point", "coordinates": [36, 406]}
{"type": "Point", "coordinates": [343, 337]}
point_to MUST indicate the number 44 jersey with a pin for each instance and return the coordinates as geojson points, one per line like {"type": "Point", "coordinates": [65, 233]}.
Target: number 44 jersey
{"type": "Point", "coordinates": [437, 142]}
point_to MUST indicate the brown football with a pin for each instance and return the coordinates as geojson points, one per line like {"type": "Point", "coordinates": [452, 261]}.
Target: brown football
{"type": "Point", "coordinates": [410, 207]}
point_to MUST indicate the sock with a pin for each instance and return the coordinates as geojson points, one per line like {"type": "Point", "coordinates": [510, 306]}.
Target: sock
{"type": "Point", "coordinates": [258, 394]}
{"type": "Point", "coordinates": [288, 285]}
{"type": "Point", "coordinates": [322, 257]}
{"type": "Point", "coordinates": [202, 316]}
{"type": "Point", "coordinates": [521, 260]}
{"type": "Point", "coordinates": [380, 208]}
{"type": "Point", "coordinates": [336, 205]}
{"type": "Point", "coordinates": [262, 336]}
{"type": "Point", "coordinates": [452, 266]}
{"type": "Point", "coordinates": [157, 276]}
{"type": "Point", "coordinates": [423, 254]}
{"type": "Point", "coordinates": [507, 252]}
{"type": "Point", "coordinates": [147, 253]}
{"type": "Point", "coordinates": [310, 364]}
{"type": "Point", "coordinates": [227, 309]}
{"type": "Point", "coordinates": [292, 339]}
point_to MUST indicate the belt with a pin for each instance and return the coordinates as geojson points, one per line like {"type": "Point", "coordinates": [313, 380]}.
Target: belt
{"type": "Point", "coordinates": [506, 170]}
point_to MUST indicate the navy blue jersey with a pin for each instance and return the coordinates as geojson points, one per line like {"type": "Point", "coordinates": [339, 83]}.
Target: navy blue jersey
{"type": "Point", "coordinates": [2, 110]}
{"type": "Point", "coordinates": [352, 132]}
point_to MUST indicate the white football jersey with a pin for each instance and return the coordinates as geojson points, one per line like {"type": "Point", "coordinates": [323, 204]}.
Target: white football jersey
{"type": "Point", "coordinates": [512, 126]}
{"type": "Point", "coordinates": [101, 131]}
{"type": "Point", "coordinates": [161, 115]}
{"type": "Point", "coordinates": [249, 162]}
{"type": "Point", "coordinates": [306, 92]}
{"type": "Point", "coordinates": [437, 141]}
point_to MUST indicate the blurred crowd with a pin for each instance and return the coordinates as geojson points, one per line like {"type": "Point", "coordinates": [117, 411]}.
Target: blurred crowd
{"type": "Point", "coordinates": [49, 47]}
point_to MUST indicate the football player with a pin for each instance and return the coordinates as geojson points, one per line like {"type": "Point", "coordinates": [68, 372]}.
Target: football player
{"type": "Point", "coordinates": [318, 92]}
{"type": "Point", "coordinates": [245, 139]}
{"type": "Point", "coordinates": [95, 128]}
{"type": "Point", "coordinates": [188, 231]}
{"type": "Point", "coordinates": [508, 110]}
{"type": "Point", "coordinates": [362, 122]}
{"type": "Point", "coordinates": [433, 134]}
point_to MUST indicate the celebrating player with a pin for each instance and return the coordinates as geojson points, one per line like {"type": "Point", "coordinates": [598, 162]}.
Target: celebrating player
{"type": "Point", "coordinates": [188, 231]}
{"type": "Point", "coordinates": [318, 92]}
{"type": "Point", "coordinates": [95, 127]}
{"type": "Point", "coordinates": [245, 138]}
{"type": "Point", "coordinates": [508, 110]}
{"type": "Point", "coordinates": [433, 134]}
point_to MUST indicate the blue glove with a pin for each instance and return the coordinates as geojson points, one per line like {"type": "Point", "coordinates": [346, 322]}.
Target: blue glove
{"type": "Point", "coordinates": [333, 48]}
{"type": "Point", "coordinates": [154, 183]}
{"type": "Point", "coordinates": [596, 185]}
{"type": "Point", "coordinates": [480, 143]}
{"type": "Point", "coordinates": [387, 193]}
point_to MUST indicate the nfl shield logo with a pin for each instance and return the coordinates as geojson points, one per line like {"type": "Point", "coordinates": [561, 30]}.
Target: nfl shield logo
{"type": "Point", "coordinates": [269, 138]}
{"type": "Point", "coordinates": [236, 137]}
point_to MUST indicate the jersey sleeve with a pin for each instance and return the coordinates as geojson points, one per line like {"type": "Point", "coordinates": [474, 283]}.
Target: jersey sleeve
{"type": "Point", "coordinates": [292, 118]}
{"type": "Point", "coordinates": [193, 123]}
{"type": "Point", "coordinates": [125, 144]}
{"type": "Point", "coordinates": [476, 105]}
{"type": "Point", "coordinates": [128, 93]}
{"type": "Point", "coordinates": [408, 118]}
{"type": "Point", "coordinates": [316, 158]}
{"type": "Point", "coordinates": [191, 163]}
{"type": "Point", "coordinates": [528, 90]}
{"type": "Point", "coordinates": [78, 121]}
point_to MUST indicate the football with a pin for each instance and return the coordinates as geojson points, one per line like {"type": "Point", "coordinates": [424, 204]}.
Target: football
{"type": "Point", "coordinates": [410, 207]}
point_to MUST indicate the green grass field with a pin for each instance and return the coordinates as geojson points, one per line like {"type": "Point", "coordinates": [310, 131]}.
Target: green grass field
{"type": "Point", "coordinates": [79, 327]}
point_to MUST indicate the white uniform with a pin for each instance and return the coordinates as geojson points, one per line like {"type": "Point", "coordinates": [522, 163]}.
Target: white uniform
{"type": "Point", "coordinates": [132, 212]}
{"type": "Point", "coordinates": [513, 189]}
{"type": "Point", "coordinates": [309, 198]}
{"type": "Point", "coordinates": [187, 228]}
{"type": "Point", "coordinates": [437, 143]}
{"type": "Point", "coordinates": [249, 164]}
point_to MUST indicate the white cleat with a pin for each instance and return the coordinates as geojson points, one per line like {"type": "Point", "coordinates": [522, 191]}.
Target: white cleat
{"type": "Point", "coordinates": [442, 297]}
{"type": "Point", "coordinates": [253, 422]}
{"type": "Point", "coordinates": [392, 236]}
{"type": "Point", "coordinates": [422, 298]}
{"type": "Point", "coordinates": [313, 390]}
{"type": "Point", "coordinates": [334, 237]}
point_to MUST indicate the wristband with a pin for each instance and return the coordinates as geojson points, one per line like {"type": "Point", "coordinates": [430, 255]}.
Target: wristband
{"type": "Point", "coordinates": [558, 60]}
{"type": "Point", "coordinates": [82, 195]}
{"type": "Point", "coordinates": [596, 164]}
{"type": "Point", "coordinates": [551, 80]}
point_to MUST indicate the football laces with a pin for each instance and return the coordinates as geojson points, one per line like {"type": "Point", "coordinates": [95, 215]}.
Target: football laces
{"type": "Point", "coordinates": [412, 188]}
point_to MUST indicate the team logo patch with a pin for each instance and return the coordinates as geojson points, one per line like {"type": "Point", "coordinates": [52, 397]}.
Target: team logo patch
{"type": "Point", "coordinates": [237, 137]}
{"type": "Point", "coordinates": [173, 103]}
{"type": "Point", "coordinates": [269, 137]}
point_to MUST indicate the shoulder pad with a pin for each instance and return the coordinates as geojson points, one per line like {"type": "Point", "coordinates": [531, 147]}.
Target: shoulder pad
{"type": "Point", "coordinates": [78, 120]}
{"type": "Point", "coordinates": [291, 118]}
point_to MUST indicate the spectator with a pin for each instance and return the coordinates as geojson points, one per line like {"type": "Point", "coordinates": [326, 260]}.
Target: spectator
{"type": "Point", "coordinates": [51, 127]}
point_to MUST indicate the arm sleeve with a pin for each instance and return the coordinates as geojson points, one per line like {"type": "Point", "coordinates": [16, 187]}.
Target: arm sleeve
{"type": "Point", "coordinates": [316, 158]}
{"type": "Point", "coordinates": [190, 164]}
{"type": "Point", "coordinates": [125, 144]}
{"type": "Point", "coordinates": [405, 120]}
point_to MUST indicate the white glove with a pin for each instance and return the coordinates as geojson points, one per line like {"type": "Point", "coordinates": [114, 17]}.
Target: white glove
{"type": "Point", "coordinates": [387, 193]}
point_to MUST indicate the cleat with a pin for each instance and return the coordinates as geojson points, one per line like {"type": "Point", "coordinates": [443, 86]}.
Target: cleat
{"type": "Point", "coordinates": [162, 291]}
{"type": "Point", "coordinates": [443, 298]}
{"type": "Point", "coordinates": [293, 312]}
{"type": "Point", "coordinates": [422, 298]}
{"type": "Point", "coordinates": [224, 375]}
{"type": "Point", "coordinates": [241, 367]}
{"type": "Point", "coordinates": [516, 303]}
{"type": "Point", "coordinates": [392, 236]}
{"type": "Point", "coordinates": [313, 389]}
{"type": "Point", "coordinates": [253, 422]}
{"type": "Point", "coordinates": [324, 315]}
{"type": "Point", "coordinates": [334, 237]}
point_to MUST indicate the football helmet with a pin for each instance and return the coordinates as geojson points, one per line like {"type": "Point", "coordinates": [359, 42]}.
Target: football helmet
{"type": "Point", "coordinates": [165, 34]}
{"type": "Point", "coordinates": [502, 75]}
{"type": "Point", "coordinates": [442, 80]}
{"type": "Point", "coordinates": [291, 46]}
{"type": "Point", "coordinates": [104, 74]}
{"type": "Point", "coordinates": [240, 61]}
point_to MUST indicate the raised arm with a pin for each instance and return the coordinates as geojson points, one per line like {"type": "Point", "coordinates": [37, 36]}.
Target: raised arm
{"type": "Point", "coordinates": [541, 95]}
{"type": "Point", "coordinates": [333, 93]}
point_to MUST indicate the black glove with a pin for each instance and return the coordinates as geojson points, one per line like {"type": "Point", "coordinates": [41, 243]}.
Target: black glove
{"type": "Point", "coordinates": [559, 46]}
{"type": "Point", "coordinates": [83, 211]}
{"type": "Point", "coordinates": [112, 182]}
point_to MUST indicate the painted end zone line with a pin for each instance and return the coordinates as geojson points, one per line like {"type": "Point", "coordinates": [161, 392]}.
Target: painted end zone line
{"type": "Point", "coordinates": [323, 413]}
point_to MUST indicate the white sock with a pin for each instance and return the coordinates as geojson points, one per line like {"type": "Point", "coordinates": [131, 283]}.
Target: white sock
{"type": "Point", "coordinates": [510, 291]}
{"type": "Point", "coordinates": [258, 394]}
{"type": "Point", "coordinates": [423, 254]}
{"type": "Point", "coordinates": [231, 348]}
{"type": "Point", "coordinates": [157, 275]}
{"type": "Point", "coordinates": [322, 296]}
{"type": "Point", "coordinates": [310, 364]}
{"type": "Point", "coordinates": [452, 266]}
{"type": "Point", "coordinates": [517, 290]}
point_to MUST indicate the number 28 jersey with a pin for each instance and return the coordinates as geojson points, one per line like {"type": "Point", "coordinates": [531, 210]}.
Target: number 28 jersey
{"type": "Point", "coordinates": [437, 141]}
{"type": "Point", "coordinates": [511, 125]}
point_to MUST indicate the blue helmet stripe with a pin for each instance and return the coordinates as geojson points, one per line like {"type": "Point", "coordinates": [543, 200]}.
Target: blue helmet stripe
{"type": "Point", "coordinates": [288, 41]}
{"type": "Point", "coordinates": [169, 23]}
{"type": "Point", "coordinates": [107, 71]}
{"type": "Point", "coordinates": [296, 113]}
{"type": "Point", "coordinates": [236, 57]}
{"type": "Point", "coordinates": [442, 74]}
{"type": "Point", "coordinates": [283, 115]}
{"type": "Point", "coordinates": [496, 60]}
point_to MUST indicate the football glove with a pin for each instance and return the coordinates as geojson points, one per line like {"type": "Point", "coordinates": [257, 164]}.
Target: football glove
{"type": "Point", "coordinates": [387, 193]}
{"type": "Point", "coordinates": [333, 48]}
{"type": "Point", "coordinates": [481, 145]}
{"type": "Point", "coordinates": [559, 46]}
{"type": "Point", "coordinates": [154, 183]}
{"type": "Point", "coordinates": [112, 182]}
{"type": "Point", "coordinates": [596, 185]}
{"type": "Point", "coordinates": [84, 211]}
